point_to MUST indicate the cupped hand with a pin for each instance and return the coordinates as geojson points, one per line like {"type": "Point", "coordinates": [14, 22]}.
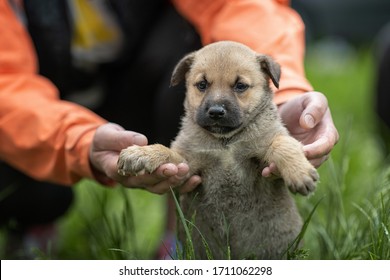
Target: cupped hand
{"type": "Point", "coordinates": [309, 120]}
{"type": "Point", "coordinates": [107, 143]}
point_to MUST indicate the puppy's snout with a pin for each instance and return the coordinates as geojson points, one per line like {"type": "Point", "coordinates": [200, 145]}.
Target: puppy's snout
{"type": "Point", "coordinates": [216, 112]}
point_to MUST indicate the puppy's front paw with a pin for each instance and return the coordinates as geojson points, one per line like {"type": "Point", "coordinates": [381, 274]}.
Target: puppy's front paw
{"type": "Point", "coordinates": [301, 178]}
{"type": "Point", "coordinates": [297, 172]}
{"type": "Point", "coordinates": [136, 160]}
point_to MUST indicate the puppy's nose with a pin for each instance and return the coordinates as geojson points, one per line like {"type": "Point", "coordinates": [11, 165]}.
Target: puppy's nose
{"type": "Point", "coordinates": [216, 112]}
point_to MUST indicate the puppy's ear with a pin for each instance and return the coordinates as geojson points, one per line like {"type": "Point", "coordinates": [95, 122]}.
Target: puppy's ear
{"type": "Point", "coordinates": [270, 67]}
{"type": "Point", "coordinates": [182, 68]}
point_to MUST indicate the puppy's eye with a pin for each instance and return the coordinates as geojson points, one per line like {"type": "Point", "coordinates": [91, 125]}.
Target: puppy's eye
{"type": "Point", "coordinates": [202, 85]}
{"type": "Point", "coordinates": [240, 87]}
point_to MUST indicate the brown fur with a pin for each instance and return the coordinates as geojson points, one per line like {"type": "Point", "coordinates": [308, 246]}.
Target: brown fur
{"type": "Point", "coordinates": [229, 134]}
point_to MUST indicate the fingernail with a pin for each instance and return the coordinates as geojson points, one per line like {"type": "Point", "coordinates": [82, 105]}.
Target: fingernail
{"type": "Point", "coordinates": [140, 140]}
{"type": "Point", "coordinates": [309, 120]}
{"type": "Point", "coordinates": [168, 172]}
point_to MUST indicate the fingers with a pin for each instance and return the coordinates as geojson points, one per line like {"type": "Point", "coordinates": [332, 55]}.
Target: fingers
{"type": "Point", "coordinates": [327, 137]}
{"type": "Point", "coordinates": [318, 148]}
{"type": "Point", "coordinates": [270, 170]}
{"type": "Point", "coordinates": [317, 120]}
{"type": "Point", "coordinates": [190, 184]}
{"type": "Point", "coordinates": [317, 162]}
{"type": "Point", "coordinates": [112, 137]}
{"type": "Point", "coordinates": [108, 141]}
{"type": "Point", "coordinates": [165, 177]}
{"type": "Point", "coordinates": [318, 152]}
{"type": "Point", "coordinates": [315, 106]}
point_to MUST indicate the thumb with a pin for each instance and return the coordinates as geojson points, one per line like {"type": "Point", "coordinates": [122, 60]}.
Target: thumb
{"type": "Point", "coordinates": [315, 105]}
{"type": "Point", "coordinates": [108, 141]}
{"type": "Point", "coordinates": [113, 137]}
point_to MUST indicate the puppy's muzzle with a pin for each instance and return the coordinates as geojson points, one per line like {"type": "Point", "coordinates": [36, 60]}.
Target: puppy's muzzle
{"type": "Point", "coordinates": [219, 117]}
{"type": "Point", "coordinates": [216, 112]}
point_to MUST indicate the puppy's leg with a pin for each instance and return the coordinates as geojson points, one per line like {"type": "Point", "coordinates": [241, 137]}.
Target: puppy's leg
{"type": "Point", "coordinates": [296, 171]}
{"type": "Point", "coordinates": [136, 160]}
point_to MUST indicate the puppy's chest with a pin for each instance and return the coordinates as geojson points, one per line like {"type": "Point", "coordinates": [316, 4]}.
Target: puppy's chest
{"type": "Point", "coordinates": [227, 169]}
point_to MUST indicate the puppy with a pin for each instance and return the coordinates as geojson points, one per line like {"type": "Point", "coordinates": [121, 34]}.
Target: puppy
{"type": "Point", "coordinates": [230, 131]}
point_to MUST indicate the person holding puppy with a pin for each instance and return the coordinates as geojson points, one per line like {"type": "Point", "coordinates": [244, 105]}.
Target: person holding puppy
{"type": "Point", "coordinates": [115, 58]}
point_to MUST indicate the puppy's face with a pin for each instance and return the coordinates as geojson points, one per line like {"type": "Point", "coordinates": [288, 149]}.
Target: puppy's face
{"type": "Point", "coordinates": [226, 83]}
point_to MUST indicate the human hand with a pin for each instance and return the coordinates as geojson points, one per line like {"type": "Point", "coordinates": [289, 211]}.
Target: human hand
{"type": "Point", "coordinates": [107, 143]}
{"type": "Point", "coordinates": [308, 119]}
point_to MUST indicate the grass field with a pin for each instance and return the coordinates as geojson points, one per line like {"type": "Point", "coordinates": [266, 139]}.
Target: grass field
{"type": "Point", "coordinates": [352, 218]}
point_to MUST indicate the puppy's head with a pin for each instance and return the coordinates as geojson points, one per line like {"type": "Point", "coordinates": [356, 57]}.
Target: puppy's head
{"type": "Point", "coordinates": [227, 83]}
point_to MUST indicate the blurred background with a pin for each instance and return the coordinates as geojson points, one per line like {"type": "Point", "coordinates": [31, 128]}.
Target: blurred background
{"type": "Point", "coordinates": [355, 21]}
{"type": "Point", "coordinates": [348, 59]}
{"type": "Point", "coordinates": [349, 215]}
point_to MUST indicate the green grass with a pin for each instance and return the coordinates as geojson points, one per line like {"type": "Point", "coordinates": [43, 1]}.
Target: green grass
{"type": "Point", "coordinates": [349, 213]}
{"type": "Point", "coordinates": [351, 221]}
{"type": "Point", "coordinates": [112, 224]}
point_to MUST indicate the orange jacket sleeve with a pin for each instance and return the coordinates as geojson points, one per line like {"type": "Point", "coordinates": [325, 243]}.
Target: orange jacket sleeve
{"type": "Point", "coordinates": [40, 135]}
{"type": "Point", "coordinates": [269, 27]}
